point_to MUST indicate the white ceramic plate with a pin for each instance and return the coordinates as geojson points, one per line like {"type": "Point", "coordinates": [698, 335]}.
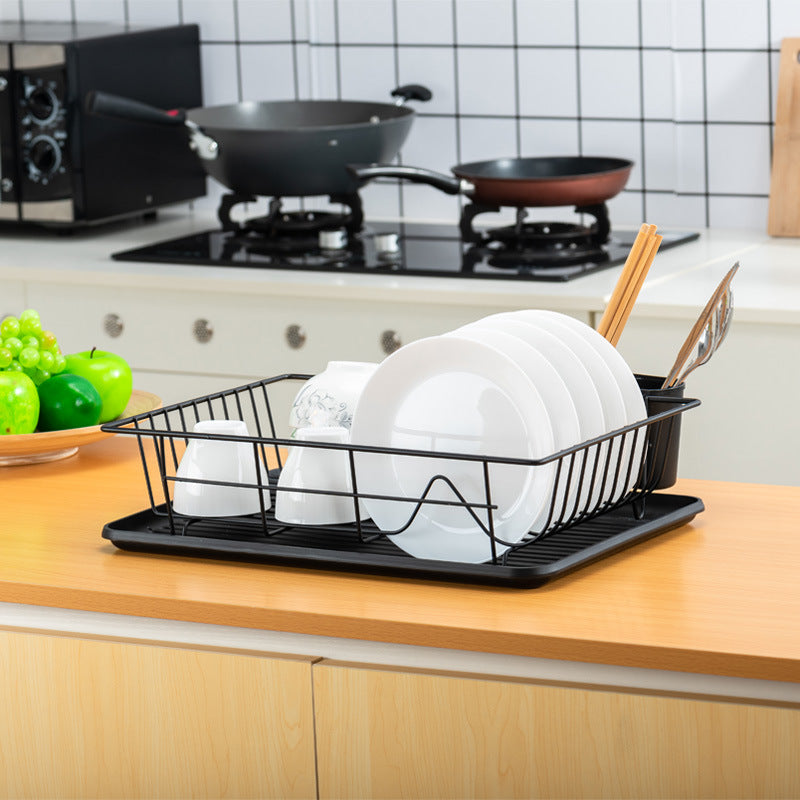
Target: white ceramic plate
{"type": "Point", "coordinates": [582, 388]}
{"type": "Point", "coordinates": [446, 394]}
{"type": "Point", "coordinates": [557, 400]}
{"type": "Point", "coordinates": [634, 409]}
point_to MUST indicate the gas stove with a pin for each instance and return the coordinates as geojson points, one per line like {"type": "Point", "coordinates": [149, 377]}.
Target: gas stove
{"type": "Point", "coordinates": [319, 241]}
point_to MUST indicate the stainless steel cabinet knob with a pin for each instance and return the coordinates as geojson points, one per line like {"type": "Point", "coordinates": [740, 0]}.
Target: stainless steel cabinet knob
{"type": "Point", "coordinates": [390, 341]}
{"type": "Point", "coordinates": [202, 330]}
{"type": "Point", "coordinates": [113, 325]}
{"type": "Point", "coordinates": [295, 336]}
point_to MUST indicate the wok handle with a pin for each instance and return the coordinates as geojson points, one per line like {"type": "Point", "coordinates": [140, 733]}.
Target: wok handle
{"type": "Point", "coordinates": [413, 91]}
{"type": "Point", "coordinates": [112, 105]}
{"type": "Point", "coordinates": [447, 183]}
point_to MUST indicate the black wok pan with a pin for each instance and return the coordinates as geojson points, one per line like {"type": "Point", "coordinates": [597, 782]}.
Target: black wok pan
{"type": "Point", "coordinates": [520, 182]}
{"type": "Point", "coordinates": [283, 148]}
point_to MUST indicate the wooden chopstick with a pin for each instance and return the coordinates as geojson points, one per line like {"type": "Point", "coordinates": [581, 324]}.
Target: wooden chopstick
{"type": "Point", "coordinates": [646, 261]}
{"type": "Point", "coordinates": [626, 277]}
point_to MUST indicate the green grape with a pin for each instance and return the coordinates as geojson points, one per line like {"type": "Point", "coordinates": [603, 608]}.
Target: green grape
{"type": "Point", "coordinates": [59, 364]}
{"type": "Point", "coordinates": [5, 357]}
{"type": "Point", "coordinates": [9, 327]}
{"type": "Point", "coordinates": [29, 313]}
{"type": "Point", "coordinates": [46, 360]}
{"type": "Point", "coordinates": [47, 340]}
{"type": "Point", "coordinates": [31, 325]}
{"type": "Point", "coordinates": [39, 376]}
{"type": "Point", "coordinates": [14, 345]}
{"type": "Point", "coordinates": [28, 357]}
{"type": "Point", "coordinates": [30, 341]}
{"type": "Point", "coordinates": [14, 366]}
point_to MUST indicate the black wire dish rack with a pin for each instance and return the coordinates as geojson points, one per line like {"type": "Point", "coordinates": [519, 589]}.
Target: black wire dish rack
{"type": "Point", "coordinates": [603, 499]}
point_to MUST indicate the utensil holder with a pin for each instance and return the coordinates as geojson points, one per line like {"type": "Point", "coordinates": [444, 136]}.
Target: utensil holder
{"type": "Point", "coordinates": [663, 438]}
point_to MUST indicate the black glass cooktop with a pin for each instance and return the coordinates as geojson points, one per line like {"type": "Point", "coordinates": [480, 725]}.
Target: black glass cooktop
{"type": "Point", "coordinates": [395, 248]}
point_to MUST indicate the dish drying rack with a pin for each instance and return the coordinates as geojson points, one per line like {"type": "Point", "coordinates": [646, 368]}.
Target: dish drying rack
{"type": "Point", "coordinates": [580, 526]}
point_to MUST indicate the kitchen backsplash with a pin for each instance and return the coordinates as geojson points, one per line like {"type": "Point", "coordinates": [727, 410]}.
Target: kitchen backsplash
{"type": "Point", "coordinates": [684, 88]}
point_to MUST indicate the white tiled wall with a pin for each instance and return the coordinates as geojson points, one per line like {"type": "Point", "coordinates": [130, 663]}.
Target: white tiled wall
{"type": "Point", "coordinates": [685, 88]}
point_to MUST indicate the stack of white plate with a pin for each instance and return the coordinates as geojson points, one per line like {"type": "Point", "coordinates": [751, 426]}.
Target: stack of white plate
{"type": "Point", "coordinates": [516, 385]}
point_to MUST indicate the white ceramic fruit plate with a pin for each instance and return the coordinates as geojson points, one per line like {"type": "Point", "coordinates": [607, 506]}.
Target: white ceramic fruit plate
{"type": "Point", "coordinates": [36, 448]}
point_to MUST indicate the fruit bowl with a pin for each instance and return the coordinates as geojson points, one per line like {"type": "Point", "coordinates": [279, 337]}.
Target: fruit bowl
{"type": "Point", "coordinates": [35, 448]}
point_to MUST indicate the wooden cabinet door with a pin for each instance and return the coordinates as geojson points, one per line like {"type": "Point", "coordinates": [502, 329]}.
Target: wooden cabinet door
{"type": "Point", "coordinates": [83, 718]}
{"type": "Point", "coordinates": [385, 733]}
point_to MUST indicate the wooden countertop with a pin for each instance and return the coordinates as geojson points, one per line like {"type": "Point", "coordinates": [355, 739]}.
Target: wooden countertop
{"type": "Point", "coordinates": [719, 596]}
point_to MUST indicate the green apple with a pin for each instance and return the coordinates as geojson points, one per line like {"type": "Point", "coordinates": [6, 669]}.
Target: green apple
{"type": "Point", "coordinates": [19, 403]}
{"type": "Point", "coordinates": [109, 374]}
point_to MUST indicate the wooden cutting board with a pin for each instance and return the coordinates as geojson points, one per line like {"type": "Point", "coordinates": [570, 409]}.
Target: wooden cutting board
{"type": "Point", "coordinates": [784, 194]}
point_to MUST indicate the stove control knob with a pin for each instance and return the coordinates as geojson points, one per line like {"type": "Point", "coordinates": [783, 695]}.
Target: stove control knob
{"type": "Point", "coordinates": [333, 239]}
{"type": "Point", "coordinates": [387, 245]}
{"type": "Point", "coordinates": [390, 341]}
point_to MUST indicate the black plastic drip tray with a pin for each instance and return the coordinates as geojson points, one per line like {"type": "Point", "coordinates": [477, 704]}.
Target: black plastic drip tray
{"type": "Point", "coordinates": [339, 548]}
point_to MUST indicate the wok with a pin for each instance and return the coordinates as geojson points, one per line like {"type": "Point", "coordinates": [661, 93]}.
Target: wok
{"type": "Point", "coordinates": [521, 182]}
{"type": "Point", "coordinates": [282, 148]}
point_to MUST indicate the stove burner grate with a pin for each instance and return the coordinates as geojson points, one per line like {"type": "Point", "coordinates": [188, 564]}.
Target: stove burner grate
{"type": "Point", "coordinates": [280, 223]}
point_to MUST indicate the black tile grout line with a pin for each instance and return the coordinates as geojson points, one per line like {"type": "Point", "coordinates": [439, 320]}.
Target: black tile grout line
{"type": "Point", "coordinates": [395, 29]}
{"type": "Point", "coordinates": [642, 138]}
{"type": "Point", "coordinates": [295, 43]}
{"type": "Point", "coordinates": [704, 69]}
{"type": "Point", "coordinates": [769, 79]}
{"type": "Point", "coordinates": [239, 86]}
{"type": "Point", "coordinates": [517, 83]}
{"type": "Point", "coordinates": [337, 50]}
{"type": "Point", "coordinates": [456, 92]}
{"type": "Point", "coordinates": [649, 120]}
{"type": "Point", "coordinates": [511, 45]}
{"type": "Point", "coordinates": [578, 93]}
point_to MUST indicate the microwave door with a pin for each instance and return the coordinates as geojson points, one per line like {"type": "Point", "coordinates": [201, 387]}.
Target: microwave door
{"type": "Point", "coordinates": [9, 210]}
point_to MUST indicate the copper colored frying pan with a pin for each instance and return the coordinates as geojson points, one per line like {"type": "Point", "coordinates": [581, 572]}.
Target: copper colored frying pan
{"type": "Point", "coordinates": [521, 182]}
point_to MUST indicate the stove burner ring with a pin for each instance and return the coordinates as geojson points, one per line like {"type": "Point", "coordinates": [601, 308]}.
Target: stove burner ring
{"type": "Point", "coordinates": [290, 223]}
{"type": "Point", "coordinates": [543, 235]}
{"type": "Point", "coordinates": [520, 259]}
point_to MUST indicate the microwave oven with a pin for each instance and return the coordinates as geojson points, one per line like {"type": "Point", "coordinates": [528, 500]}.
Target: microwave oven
{"type": "Point", "coordinates": [61, 166]}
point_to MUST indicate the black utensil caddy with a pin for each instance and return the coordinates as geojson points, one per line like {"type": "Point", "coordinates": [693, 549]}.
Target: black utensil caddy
{"type": "Point", "coordinates": [581, 526]}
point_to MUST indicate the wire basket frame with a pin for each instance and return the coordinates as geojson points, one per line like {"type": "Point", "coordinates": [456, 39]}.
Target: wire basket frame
{"type": "Point", "coordinates": [620, 467]}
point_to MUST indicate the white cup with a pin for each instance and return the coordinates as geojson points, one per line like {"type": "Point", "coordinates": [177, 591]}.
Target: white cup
{"type": "Point", "coordinates": [218, 459]}
{"type": "Point", "coordinates": [329, 398]}
{"type": "Point", "coordinates": [317, 468]}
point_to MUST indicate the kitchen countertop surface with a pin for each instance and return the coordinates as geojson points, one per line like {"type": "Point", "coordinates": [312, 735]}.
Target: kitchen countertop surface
{"type": "Point", "coordinates": [766, 287]}
{"type": "Point", "coordinates": [718, 596]}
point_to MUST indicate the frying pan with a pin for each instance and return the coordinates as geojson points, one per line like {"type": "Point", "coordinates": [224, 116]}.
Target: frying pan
{"type": "Point", "coordinates": [521, 182]}
{"type": "Point", "coordinates": [282, 148]}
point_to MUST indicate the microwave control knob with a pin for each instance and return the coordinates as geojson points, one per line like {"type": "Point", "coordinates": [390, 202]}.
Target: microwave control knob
{"type": "Point", "coordinates": [390, 341]}
{"type": "Point", "coordinates": [44, 157]}
{"type": "Point", "coordinates": [3, 84]}
{"type": "Point", "coordinates": [42, 104]}
{"type": "Point", "coordinates": [6, 185]}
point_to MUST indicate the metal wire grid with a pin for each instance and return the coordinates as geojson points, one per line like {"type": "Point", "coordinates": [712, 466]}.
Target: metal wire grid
{"type": "Point", "coordinates": [621, 467]}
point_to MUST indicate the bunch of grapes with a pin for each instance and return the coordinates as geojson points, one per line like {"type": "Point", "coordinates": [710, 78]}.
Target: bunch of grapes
{"type": "Point", "coordinates": [25, 347]}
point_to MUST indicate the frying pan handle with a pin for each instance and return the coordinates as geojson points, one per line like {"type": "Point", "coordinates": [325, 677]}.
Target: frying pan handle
{"type": "Point", "coordinates": [412, 91]}
{"type": "Point", "coordinates": [447, 183]}
{"type": "Point", "coordinates": [112, 105]}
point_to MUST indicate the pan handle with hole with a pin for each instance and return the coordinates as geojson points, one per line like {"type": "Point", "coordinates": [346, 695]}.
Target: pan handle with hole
{"type": "Point", "coordinates": [112, 105]}
{"type": "Point", "coordinates": [447, 183]}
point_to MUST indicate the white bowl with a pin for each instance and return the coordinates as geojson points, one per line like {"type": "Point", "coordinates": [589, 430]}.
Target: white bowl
{"type": "Point", "coordinates": [218, 459]}
{"type": "Point", "coordinates": [329, 398]}
{"type": "Point", "coordinates": [317, 469]}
